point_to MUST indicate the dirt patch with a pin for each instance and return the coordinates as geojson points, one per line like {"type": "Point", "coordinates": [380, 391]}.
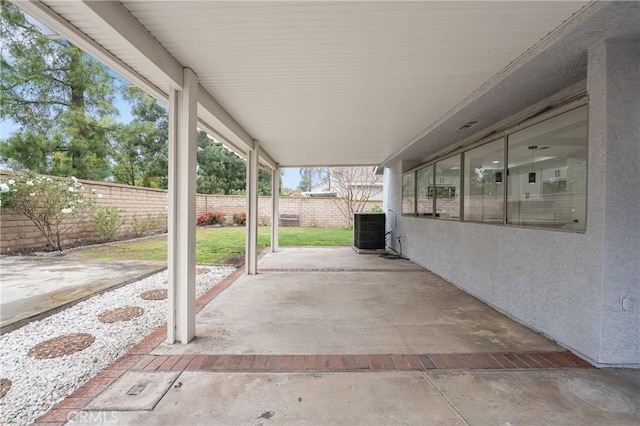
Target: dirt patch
{"type": "Point", "coordinates": [235, 259]}
{"type": "Point", "coordinates": [159, 294]}
{"type": "Point", "coordinates": [125, 313]}
{"type": "Point", "coordinates": [5, 385]}
{"type": "Point", "coordinates": [61, 345]}
{"type": "Point", "coordinates": [202, 271]}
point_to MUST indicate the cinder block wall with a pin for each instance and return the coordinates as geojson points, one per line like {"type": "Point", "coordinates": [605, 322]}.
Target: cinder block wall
{"type": "Point", "coordinates": [139, 204]}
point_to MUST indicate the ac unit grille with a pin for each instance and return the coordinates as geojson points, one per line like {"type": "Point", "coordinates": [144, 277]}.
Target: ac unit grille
{"type": "Point", "coordinates": [368, 231]}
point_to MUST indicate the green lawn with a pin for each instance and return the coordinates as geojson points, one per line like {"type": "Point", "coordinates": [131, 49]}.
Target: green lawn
{"type": "Point", "coordinates": [215, 244]}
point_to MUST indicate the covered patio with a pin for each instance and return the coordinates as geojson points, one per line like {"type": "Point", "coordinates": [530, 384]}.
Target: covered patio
{"type": "Point", "coordinates": [352, 339]}
{"type": "Point", "coordinates": [417, 89]}
{"type": "Point", "coordinates": [421, 90]}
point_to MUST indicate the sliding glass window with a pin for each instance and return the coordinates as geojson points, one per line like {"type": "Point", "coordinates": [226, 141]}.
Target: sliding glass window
{"type": "Point", "coordinates": [448, 188]}
{"type": "Point", "coordinates": [548, 173]}
{"type": "Point", "coordinates": [483, 183]}
{"type": "Point", "coordinates": [424, 191]}
{"type": "Point", "coordinates": [408, 194]}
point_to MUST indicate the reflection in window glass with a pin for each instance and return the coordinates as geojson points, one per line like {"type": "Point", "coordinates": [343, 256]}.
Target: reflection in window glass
{"type": "Point", "coordinates": [408, 194]}
{"type": "Point", "coordinates": [483, 183]}
{"type": "Point", "coordinates": [548, 173]}
{"type": "Point", "coordinates": [424, 191]}
{"type": "Point", "coordinates": [448, 188]}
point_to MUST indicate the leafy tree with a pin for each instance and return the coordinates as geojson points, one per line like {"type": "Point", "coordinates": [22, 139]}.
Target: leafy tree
{"type": "Point", "coordinates": [264, 181]}
{"type": "Point", "coordinates": [305, 179]}
{"type": "Point", "coordinates": [139, 148]}
{"type": "Point", "coordinates": [311, 176]}
{"type": "Point", "coordinates": [220, 171]}
{"type": "Point", "coordinates": [126, 154]}
{"type": "Point", "coordinates": [61, 98]}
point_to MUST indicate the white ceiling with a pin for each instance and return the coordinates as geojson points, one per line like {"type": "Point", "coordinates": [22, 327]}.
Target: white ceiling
{"type": "Point", "coordinates": [333, 83]}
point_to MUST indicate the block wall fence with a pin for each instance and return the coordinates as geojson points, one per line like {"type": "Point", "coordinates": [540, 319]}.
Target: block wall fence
{"type": "Point", "coordinates": [138, 204]}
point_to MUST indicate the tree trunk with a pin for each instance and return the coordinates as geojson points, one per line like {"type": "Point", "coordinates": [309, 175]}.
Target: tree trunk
{"type": "Point", "coordinates": [76, 82]}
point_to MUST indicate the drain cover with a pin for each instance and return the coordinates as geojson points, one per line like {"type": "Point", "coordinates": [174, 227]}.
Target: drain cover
{"type": "Point", "coordinates": [137, 389]}
{"type": "Point", "coordinates": [134, 391]}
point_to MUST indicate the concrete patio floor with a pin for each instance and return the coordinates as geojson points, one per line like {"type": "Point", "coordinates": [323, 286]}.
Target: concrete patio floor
{"type": "Point", "coordinates": [33, 286]}
{"type": "Point", "coordinates": [350, 304]}
{"type": "Point", "coordinates": [325, 336]}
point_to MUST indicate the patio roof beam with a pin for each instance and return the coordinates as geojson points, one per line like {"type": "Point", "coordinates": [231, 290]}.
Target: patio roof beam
{"type": "Point", "coordinates": [51, 19]}
{"type": "Point", "coordinates": [209, 103]}
{"type": "Point", "coordinates": [122, 25]}
{"type": "Point", "coordinates": [220, 138]}
{"type": "Point", "coordinates": [266, 158]}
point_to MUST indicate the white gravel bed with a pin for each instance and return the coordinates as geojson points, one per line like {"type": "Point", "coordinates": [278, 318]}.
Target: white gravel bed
{"type": "Point", "coordinates": [38, 385]}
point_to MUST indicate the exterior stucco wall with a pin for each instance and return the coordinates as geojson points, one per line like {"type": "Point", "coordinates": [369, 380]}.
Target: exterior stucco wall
{"type": "Point", "coordinates": [569, 286]}
{"type": "Point", "coordinates": [614, 90]}
{"type": "Point", "coordinates": [548, 280]}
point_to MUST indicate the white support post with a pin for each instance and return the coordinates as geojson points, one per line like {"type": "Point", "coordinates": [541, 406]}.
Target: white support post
{"type": "Point", "coordinates": [182, 210]}
{"type": "Point", "coordinates": [275, 209]}
{"type": "Point", "coordinates": [251, 255]}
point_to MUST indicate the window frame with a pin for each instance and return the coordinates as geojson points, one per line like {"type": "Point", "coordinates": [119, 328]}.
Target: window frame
{"type": "Point", "coordinates": [460, 186]}
{"type": "Point", "coordinates": [431, 185]}
{"type": "Point", "coordinates": [560, 109]}
{"type": "Point", "coordinates": [530, 123]}
{"type": "Point", "coordinates": [402, 197]}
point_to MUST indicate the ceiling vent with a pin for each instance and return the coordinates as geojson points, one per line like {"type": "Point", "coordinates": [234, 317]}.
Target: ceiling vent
{"type": "Point", "coordinates": [469, 125]}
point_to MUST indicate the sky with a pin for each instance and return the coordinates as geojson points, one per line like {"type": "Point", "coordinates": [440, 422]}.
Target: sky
{"type": "Point", "coordinates": [291, 176]}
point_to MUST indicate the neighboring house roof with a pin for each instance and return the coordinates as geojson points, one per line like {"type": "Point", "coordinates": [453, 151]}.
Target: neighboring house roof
{"type": "Point", "coordinates": [367, 178]}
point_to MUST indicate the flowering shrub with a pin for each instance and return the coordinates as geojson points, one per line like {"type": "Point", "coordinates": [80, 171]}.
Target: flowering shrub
{"type": "Point", "coordinates": [210, 218]}
{"type": "Point", "coordinates": [53, 205]}
{"type": "Point", "coordinates": [240, 218]}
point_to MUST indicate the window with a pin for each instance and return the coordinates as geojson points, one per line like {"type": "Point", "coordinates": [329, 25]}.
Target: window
{"type": "Point", "coordinates": [448, 188]}
{"type": "Point", "coordinates": [484, 183]}
{"type": "Point", "coordinates": [543, 185]}
{"type": "Point", "coordinates": [548, 173]}
{"type": "Point", "coordinates": [408, 194]}
{"type": "Point", "coordinates": [424, 191]}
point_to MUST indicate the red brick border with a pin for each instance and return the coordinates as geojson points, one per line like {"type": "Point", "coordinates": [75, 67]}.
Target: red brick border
{"type": "Point", "coordinates": [350, 363]}
{"type": "Point", "coordinates": [295, 363]}
{"type": "Point", "coordinates": [136, 358]}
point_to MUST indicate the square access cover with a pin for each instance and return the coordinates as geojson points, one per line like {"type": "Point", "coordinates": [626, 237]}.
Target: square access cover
{"type": "Point", "coordinates": [134, 391]}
